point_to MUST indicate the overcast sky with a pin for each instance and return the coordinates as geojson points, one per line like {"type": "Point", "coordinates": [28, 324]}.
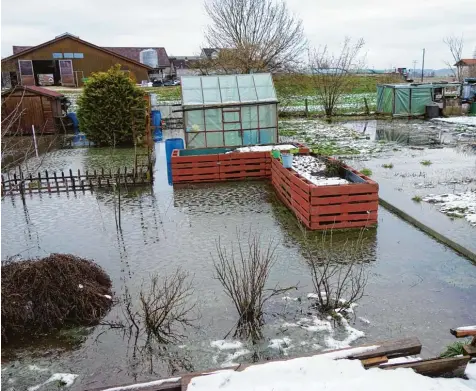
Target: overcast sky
{"type": "Point", "coordinates": [394, 34]}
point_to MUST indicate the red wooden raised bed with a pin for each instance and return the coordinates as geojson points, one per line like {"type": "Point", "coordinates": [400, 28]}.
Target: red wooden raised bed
{"type": "Point", "coordinates": [350, 205]}
{"type": "Point", "coordinates": [327, 207]}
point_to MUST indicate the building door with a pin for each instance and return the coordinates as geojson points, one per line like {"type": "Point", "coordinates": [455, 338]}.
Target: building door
{"type": "Point", "coordinates": [66, 73]}
{"type": "Point", "coordinates": [27, 76]}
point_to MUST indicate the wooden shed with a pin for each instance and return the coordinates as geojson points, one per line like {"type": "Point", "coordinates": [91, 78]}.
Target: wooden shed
{"type": "Point", "coordinates": [66, 61]}
{"type": "Point", "coordinates": [24, 106]}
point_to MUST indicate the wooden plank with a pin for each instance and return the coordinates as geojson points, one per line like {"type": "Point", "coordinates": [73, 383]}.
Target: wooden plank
{"type": "Point", "coordinates": [461, 332]}
{"type": "Point", "coordinates": [469, 350]}
{"type": "Point", "coordinates": [344, 208]}
{"type": "Point", "coordinates": [391, 349]}
{"type": "Point", "coordinates": [374, 361]}
{"type": "Point", "coordinates": [353, 188]}
{"type": "Point", "coordinates": [453, 366]}
{"type": "Point", "coordinates": [343, 199]}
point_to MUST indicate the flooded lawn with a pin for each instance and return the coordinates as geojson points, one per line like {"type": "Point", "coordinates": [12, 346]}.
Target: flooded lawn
{"type": "Point", "coordinates": [417, 287]}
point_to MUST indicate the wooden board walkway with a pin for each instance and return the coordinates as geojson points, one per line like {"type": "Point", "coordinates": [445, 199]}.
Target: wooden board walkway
{"type": "Point", "coordinates": [47, 182]}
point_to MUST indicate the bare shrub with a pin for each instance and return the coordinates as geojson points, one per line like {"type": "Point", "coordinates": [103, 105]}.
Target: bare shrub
{"type": "Point", "coordinates": [333, 72]}
{"type": "Point", "coordinates": [166, 307]}
{"type": "Point", "coordinates": [243, 275]}
{"type": "Point", "coordinates": [339, 276]}
{"type": "Point", "coordinates": [455, 45]}
{"type": "Point", "coordinates": [43, 295]}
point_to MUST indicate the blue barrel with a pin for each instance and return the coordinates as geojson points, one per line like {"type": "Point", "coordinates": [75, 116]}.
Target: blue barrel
{"type": "Point", "coordinates": [156, 119]}
{"type": "Point", "coordinates": [170, 145]}
{"type": "Point", "coordinates": [75, 122]}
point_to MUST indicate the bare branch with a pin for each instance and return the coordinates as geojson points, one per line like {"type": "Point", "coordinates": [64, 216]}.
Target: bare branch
{"type": "Point", "coordinates": [455, 45]}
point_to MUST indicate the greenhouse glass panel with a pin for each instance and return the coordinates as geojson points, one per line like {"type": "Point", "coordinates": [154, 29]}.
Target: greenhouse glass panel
{"type": "Point", "coordinates": [231, 116]}
{"type": "Point", "coordinates": [192, 90]}
{"type": "Point", "coordinates": [246, 87]}
{"type": "Point", "coordinates": [233, 138]}
{"type": "Point", "coordinates": [264, 86]}
{"type": "Point", "coordinates": [232, 126]}
{"type": "Point", "coordinates": [267, 116]}
{"type": "Point", "coordinates": [195, 121]}
{"type": "Point", "coordinates": [249, 117]}
{"type": "Point", "coordinates": [215, 139]}
{"type": "Point", "coordinates": [229, 89]}
{"type": "Point", "coordinates": [267, 136]}
{"type": "Point", "coordinates": [211, 90]}
{"type": "Point", "coordinates": [250, 137]}
{"type": "Point", "coordinates": [213, 119]}
{"type": "Point", "coordinates": [196, 140]}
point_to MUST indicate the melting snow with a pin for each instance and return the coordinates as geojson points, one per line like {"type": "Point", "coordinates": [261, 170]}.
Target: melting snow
{"type": "Point", "coordinates": [67, 378]}
{"type": "Point", "coordinates": [322, 372]}
{"type": "Point", "coordinates": [283, 344]}
{"type": "Point", "coordinates": [458, 204]}
{"type": "Point", "coordinates": [226, 345]}
{"type": "Point", "coordinates": [466, 328]}
{"type": "Point", "coordinates": [108, 297]}
{"type": "Point", "coordinates": [265, 148]}
{"type": "Point", "coordinates": [229, 361]}
{"type": "Point", "coordinates": [458, 120]}
{"type": "Point", "coordinates": [313, 169]}
{"type": "Point", "coordinates": [143, 385]}
{"type": "Point", "coordinates": [364, 320]}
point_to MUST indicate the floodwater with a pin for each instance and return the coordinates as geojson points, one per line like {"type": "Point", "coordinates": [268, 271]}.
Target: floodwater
{"type": "Point", "coordinates": [417, 287]}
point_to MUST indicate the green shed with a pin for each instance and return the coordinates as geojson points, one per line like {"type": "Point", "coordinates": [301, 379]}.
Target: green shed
{"type": "Point", "coordinates": [410, 99]}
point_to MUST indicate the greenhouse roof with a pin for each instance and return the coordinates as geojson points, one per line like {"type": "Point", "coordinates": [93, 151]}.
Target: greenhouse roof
{"type": "Point", "coordinates": [223, 90]}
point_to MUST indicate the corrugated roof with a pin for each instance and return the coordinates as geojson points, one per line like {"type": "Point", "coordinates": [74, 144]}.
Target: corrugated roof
{"type": "Point", "coordinates": [227, 89]}
{"type": "Point", "coordinates": [134, 53]}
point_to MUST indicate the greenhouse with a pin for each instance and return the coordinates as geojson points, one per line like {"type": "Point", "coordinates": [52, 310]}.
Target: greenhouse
{"type": "Point", "coordinates": [411, 99]}
{"type": "Point", "coordinates": [229, 110]}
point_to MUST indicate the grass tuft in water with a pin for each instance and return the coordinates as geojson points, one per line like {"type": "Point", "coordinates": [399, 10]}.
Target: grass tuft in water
{"type": "Point", "coordinates": [366, 171]}
{"type": "Point", "coordinates": [387, 165]}
{"type": "Point", "coordinates": [426, 163]}
{"type": "Point", "coordinates": [417, 198]}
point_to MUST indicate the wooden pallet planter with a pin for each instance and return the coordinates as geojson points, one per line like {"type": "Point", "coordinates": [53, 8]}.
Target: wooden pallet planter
{"type": "Point", "coordinates": [243, 165]}
{"type": "Point", "coordinates": [351, 205]}
{"type": "Point", "coordinates": [199, 168]}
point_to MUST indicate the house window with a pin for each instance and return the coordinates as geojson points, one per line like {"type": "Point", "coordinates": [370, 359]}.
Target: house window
{"type": "Point", "coordinates": [78, 55]}
{"type": "Point", "coordinates": [57, 55]}
{"type": "Point", "coordinates": [68, 55]}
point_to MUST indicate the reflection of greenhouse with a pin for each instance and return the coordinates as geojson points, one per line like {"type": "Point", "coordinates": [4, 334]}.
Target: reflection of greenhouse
{"type": "Point", "coordinates": [229, 110]}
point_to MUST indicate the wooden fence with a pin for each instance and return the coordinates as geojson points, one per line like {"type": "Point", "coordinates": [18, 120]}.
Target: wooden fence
{"type": "Point", "coordinates": [13, 184]}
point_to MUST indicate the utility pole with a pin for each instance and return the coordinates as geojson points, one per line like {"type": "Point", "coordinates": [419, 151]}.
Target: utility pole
{"type": "Point", "coordinates": [422, 65]}
{"type": "Point", "coordinates": [414, 66]}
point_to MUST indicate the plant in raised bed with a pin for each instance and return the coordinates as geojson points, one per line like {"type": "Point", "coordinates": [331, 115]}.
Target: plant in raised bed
{"type": "Point", "coordinates": [366, 171]}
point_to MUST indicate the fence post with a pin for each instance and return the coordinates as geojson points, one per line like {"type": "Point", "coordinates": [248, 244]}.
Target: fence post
{"type": "Point", "coordinates": [306, 104]}
{"type": "Point", "coordinates": [39, 182]}
{"type": "Point", "coordinates": [367, 111]}
{"type": "Point", "coordinates": [56, 182]}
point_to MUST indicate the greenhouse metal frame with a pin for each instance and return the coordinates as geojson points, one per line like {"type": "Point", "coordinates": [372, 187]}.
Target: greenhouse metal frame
{"type": "Point", "coordinates": [229, 110]}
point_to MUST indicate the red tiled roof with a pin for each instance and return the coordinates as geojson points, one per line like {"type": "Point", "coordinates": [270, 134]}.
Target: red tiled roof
{"type": "Point", "coordinates": [467, 61]}
{"type": "Point", "coordinates": [134, 53]}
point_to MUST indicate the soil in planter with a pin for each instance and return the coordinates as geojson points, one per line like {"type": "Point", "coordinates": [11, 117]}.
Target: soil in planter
{"type": "Point", "coordinates": [318, 171]}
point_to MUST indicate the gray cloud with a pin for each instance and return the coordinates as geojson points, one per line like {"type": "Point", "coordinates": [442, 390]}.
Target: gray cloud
{"type": "Point", "coordinates": [394, 32]}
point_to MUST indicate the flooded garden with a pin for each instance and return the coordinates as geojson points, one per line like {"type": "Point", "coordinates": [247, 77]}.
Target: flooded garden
{"type": "Point", "coordinates": [415, 286]}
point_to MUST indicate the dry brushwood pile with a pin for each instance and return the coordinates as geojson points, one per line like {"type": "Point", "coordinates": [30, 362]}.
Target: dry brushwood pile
{"type": "Point", "coordinates": [43, 295]}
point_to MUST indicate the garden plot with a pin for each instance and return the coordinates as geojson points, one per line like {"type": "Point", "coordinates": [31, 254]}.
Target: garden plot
{"type": "Point", "coordinates": [316, 171]}
{"type": "Point", "coordinates": [456, 205]}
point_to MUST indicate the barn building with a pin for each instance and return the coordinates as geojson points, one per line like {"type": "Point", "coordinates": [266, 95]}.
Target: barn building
{"type": "Point", "coordinates": [65, 61]}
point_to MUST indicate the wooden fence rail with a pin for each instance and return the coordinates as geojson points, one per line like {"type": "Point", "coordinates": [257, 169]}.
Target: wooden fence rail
{"type": "Point", "coordinates": [13, 184]}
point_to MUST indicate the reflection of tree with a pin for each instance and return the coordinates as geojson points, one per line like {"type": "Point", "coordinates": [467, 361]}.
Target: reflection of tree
{"type": "Point", "coordinates": [152, 322]}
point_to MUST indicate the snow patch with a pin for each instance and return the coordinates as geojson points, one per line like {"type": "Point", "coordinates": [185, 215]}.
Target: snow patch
{"type": "Point", "coordinates": [143, 385]}
{"type": "Point", "coordinates": [66, 378]}
{"type": "Point", "coordinates": [456, 205]}
{"type": "Point", "coordinates": [226, 345]}
{"type": "Point", "coordinates": [36, 368]}
{"type": "Point", "coordinates": [364, 320]}
{"type": "Point", "coordinates": [283, 345]}
{"type": "Point", "coordinates": [458, 120]}
{"type": "Point", "coordinates": [289, 298]}
{"type": "Point", "coordinates": [108, 297]}
{"type": "Point", "coordinates": [322, 372]}
{"type": "Point", "coordinates": [401, 360]}
{"type": "Point", "coordinates": [230, 359]}
{"type": "Point", "coordinates": [265, 148]}
{"type": "Point", "coordinates": [466, 328]}
{"type": "Point", "coordinates": [313, 170]}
